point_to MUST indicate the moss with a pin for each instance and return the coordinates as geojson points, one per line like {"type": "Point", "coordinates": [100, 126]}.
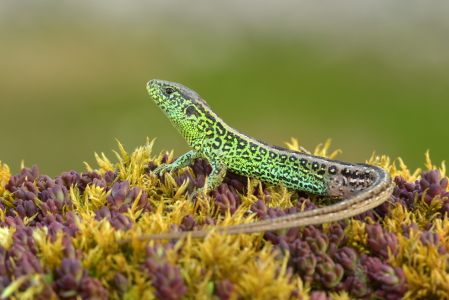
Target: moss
{"type": "Point", "coordinates": [58, 237]}
{"type": "Point", "coordinates": [5, 174]}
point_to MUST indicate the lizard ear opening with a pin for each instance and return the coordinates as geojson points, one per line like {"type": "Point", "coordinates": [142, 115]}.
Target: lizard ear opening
{"type": "Point", "coordinates": [190, 111]}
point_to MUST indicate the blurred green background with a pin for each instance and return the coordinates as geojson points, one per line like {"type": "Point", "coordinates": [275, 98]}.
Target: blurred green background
{"type": "Point", "coordinates": [371, 75]}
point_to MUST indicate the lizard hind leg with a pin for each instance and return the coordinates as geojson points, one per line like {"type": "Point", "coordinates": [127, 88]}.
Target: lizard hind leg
{"type": "Point", "coordinates": [348, 182]}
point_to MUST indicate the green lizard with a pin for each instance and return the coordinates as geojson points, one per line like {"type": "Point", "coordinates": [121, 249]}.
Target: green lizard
{"type": "Point", "coordinates": [360, 186]}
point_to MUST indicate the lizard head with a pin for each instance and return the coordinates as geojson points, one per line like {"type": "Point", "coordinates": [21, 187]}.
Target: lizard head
{"type": "Point", "coordinates": [188, 112]}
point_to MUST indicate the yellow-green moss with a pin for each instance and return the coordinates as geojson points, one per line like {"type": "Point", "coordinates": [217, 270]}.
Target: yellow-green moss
{"type": "Point", "coordinates": [248, 261]}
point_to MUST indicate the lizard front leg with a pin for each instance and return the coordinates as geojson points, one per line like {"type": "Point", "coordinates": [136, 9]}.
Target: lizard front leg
{"type": "Point", "coordinates": [181, 162]}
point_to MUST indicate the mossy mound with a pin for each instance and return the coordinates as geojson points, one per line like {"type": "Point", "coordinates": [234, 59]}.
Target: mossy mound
{"type": "Point", "coordinates": [58, 237]}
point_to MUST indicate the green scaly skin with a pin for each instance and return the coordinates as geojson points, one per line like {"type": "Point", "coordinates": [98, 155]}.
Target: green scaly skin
{"type": "Point", "coordinates": [359, 186]}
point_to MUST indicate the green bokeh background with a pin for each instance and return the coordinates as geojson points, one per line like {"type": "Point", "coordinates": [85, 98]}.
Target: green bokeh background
{"type": "Point", "coordinates": [371, 75]}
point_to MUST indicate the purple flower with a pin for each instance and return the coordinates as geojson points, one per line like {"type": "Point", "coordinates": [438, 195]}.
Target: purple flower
{"type": "Point", "coordinates": [122, 197]}
{"type": "Point", "coordinates": [225, 289]}
{"type": "Point", "coordinates": [226, 198]}
{"type": "Point", "coordinates": [168, 282]}
{"type": "Point", "coordinates": [381, 240]}
{"type": "Point", "coordinates": [328, 273]}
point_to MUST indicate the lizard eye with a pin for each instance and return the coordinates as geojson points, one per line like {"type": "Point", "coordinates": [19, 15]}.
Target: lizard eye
{"type": "Point", "coordinates": [169, 91]}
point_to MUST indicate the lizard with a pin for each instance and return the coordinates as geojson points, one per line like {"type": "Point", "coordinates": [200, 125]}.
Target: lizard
{"type": "Point", "coordinates": [359, 186]}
